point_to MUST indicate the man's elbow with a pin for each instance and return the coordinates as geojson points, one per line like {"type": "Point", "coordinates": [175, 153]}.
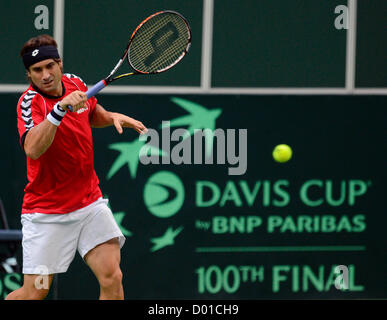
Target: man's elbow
{"type": "Point", "coordinates": [32, 154]}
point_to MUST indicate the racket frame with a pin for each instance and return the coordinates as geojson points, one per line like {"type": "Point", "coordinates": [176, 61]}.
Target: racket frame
{"type": "Point", "coordinates": [126, 54]}
{"type": "Point", "coordinates": [109, 79]}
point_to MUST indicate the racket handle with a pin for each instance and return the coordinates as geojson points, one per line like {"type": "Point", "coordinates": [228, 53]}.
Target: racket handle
{"type": "Point", "coordinates": [93, 91]}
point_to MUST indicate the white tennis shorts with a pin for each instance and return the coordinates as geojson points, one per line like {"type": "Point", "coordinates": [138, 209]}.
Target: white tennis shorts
{"type": "Point", "coordinates": [51, 240]}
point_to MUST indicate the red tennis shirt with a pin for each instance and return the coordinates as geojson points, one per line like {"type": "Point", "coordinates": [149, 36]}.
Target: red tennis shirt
{"type": "Point", "coordinates": [63, 178]}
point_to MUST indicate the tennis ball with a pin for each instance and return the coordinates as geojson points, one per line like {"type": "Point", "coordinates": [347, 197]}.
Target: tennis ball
{"type": "Point", "coordinates": [282, 153]}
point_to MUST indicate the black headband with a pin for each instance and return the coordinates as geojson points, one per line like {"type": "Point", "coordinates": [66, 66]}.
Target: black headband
{"type": "Point", "coordinates": [39, 54]}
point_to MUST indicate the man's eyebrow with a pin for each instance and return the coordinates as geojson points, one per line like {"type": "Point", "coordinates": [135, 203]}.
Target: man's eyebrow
{"type": "Point", "coordinates": [47, 65]}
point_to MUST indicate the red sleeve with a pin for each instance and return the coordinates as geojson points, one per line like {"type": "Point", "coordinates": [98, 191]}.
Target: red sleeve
{"type": "Point", "coordinates": [93, 103]}
{"type": "Point", "coordinates": [30, 112]}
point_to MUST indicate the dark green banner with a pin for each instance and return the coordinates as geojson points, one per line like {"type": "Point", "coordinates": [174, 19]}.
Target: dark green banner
{"type": "Point", "coordinates": [243, 226]}
{"type": "Point", "coordinates": [266, 44]}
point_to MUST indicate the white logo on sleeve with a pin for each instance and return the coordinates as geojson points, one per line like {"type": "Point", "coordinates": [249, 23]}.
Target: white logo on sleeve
{"type": "Point", "coordinates": [85, 108]}
{"type": "Point", "coordinates": [35, 52]}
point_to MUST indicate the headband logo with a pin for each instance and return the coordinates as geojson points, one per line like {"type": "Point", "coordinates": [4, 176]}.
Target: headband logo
{"type": "Point", "coordinates": [35, 52]}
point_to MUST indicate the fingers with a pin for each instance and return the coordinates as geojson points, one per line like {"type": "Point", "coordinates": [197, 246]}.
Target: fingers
{"type": "Point", "coordinates": [82, 96]}
{"type": "Point", "coordinates": [124, 121]}
{"type": "Point", "coordinates": [118, 126]}
{"type": "Point", "coordinates": [79, 99]}
{"type": "Point", "coordinates": [140, 128]}
{"type": "Point", "coordinates": [75, 99]}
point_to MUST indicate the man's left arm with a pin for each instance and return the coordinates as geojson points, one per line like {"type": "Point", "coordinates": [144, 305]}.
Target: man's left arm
{"type": "Point", "coordinates": [101, 118]}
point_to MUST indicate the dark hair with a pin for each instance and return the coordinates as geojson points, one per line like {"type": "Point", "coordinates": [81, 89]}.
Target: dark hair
{"type": "Point", "coordinates": [36, 42]}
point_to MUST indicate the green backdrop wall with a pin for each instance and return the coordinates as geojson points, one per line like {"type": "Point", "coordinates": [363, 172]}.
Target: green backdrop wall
{"type": "Point", "coordinates": [276, 231]}
{"type": "Point", "coordinates": [288, 43]}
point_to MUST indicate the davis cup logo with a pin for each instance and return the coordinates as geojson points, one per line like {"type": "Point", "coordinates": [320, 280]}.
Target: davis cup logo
{"type": "Point", "coordinates": [164, 194]}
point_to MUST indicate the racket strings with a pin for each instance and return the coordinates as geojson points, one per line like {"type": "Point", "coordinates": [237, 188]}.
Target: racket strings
{"type": "Point", "coordinates": [162, 51]}
{"type": "Point", "coordinates": [159, 43]}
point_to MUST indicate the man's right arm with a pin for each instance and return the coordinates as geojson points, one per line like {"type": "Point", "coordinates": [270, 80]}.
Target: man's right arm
{"type": "Point", "coordinates": [39, 138]}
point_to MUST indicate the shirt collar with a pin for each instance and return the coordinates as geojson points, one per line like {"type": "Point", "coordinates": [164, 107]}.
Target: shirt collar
{"type": "Point", "coordinates": [47, 95]}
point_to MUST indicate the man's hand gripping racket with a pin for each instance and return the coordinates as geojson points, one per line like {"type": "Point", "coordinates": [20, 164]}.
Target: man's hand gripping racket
{"type": "Point", "coordinates": [157, 44]}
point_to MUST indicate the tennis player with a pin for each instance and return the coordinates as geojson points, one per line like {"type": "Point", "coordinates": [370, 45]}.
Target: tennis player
{"type": "Point", "coordinates": [63, 210]}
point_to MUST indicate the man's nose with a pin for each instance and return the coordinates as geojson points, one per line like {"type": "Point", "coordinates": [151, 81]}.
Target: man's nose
{"type": "Point", "coordinates": [46, 74]}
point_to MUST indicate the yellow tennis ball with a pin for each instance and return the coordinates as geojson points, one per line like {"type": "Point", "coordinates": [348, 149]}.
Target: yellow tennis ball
{"type": "Point", "coordinates": [282, 153]}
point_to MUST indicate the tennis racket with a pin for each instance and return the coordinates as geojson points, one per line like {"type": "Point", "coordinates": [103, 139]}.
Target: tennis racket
{"type": "Point", "coordinates": [156, 45]}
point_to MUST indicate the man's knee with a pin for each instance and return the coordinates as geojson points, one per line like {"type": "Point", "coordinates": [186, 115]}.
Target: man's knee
{"type": "Point", "coordinates": [111, 278]}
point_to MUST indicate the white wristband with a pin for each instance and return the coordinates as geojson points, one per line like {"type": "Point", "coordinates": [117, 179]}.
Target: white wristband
{"type": "Point", "coordinates": [56, 115]}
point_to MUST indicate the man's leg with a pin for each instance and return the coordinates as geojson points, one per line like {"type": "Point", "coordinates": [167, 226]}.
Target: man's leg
{"type": "Point", "coordinates": [35, 287]}
{"type": "Point", "coordinates": [104, 260]}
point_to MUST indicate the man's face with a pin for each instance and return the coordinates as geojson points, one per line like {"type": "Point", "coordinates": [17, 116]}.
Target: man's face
{"type": "Point", "coordinates": [47, 75]}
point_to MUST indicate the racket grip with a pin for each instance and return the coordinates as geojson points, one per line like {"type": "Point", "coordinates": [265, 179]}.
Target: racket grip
{"type": "Point", "coordinates": [93, 91]}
